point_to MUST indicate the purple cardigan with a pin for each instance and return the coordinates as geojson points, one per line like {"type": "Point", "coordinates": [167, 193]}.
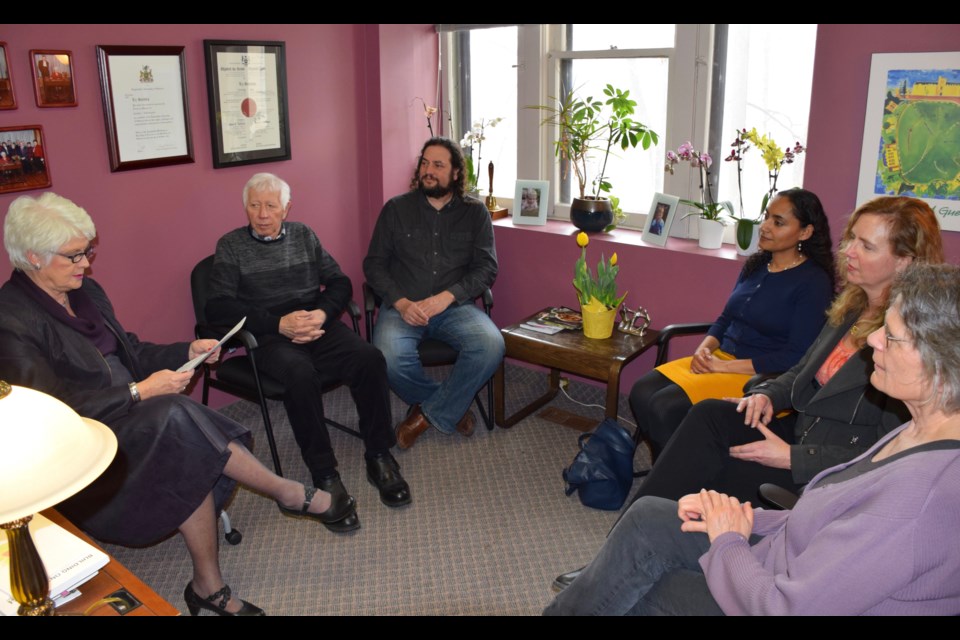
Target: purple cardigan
{"type": "Point", "coordinates": [884, 543]}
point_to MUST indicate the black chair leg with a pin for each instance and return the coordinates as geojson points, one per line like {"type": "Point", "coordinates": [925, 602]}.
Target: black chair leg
{"type": "Point", "coordinates": [268, 427]}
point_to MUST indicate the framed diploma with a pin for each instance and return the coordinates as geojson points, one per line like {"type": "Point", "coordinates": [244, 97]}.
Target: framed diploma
{"type": "Point", "coordinates": [144, 93]}
{"type": "Point", "coordinates": [247, 90]}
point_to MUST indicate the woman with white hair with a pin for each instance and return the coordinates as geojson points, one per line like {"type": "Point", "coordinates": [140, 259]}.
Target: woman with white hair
{"type": "Point", "coordinates": [876, 535]}
{"type": "Point", "coordinates": [177, 460]}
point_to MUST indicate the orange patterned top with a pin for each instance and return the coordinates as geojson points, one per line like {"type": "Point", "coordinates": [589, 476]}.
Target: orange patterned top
{"type": "Point", "coordinates": [840, 354]}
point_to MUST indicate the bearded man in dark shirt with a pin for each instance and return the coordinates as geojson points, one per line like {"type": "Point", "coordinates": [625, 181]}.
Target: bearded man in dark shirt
{"type": "Point", "coordinates": [431, 254]}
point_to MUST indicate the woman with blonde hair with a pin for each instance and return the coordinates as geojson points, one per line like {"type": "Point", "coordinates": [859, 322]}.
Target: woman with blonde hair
{"type": "Point", "coordinates": [875, 535]}
{"type": "Point", "coordinates": [823, 411]}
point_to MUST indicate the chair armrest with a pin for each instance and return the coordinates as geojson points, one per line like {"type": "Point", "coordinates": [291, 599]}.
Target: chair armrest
{"type": "Point", "coordinates": [487, 297]}
{"type": "Point", "coordinates": [757, 379]}
{"type": "Point", "coordinates": [354, 310]}
{"type": "Point", "coordinates": [777, 497]}
{"type": "Point", "coordinates": [244, 337]}
{"type": "Point", "coordinates": [671, 331]}
{"type": "Point", "coordinates": [370, 304]}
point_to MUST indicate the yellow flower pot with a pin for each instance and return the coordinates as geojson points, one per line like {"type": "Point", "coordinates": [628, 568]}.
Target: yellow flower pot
{"type": "Point", "coordinates": [598, 324]}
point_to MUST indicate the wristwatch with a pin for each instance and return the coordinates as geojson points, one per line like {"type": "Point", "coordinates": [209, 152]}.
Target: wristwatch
{"type": "Point", "coordinates": [134, 392]}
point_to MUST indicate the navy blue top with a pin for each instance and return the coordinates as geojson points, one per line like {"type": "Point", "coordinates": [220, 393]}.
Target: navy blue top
{"type": "Point", "coordinates": [773, 318]}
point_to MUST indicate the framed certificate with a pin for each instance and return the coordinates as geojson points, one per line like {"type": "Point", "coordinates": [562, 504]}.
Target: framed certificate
{"type": "Point", "coordinates": [247, 90]}
{"type": "Point", "coordinates": [144, 93]}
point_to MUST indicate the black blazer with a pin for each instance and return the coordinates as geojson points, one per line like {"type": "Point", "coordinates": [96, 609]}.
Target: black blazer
{"type": "Point", "coordinates": [840, 420]}
{"type": "Point", "coordinates": [40, 352]}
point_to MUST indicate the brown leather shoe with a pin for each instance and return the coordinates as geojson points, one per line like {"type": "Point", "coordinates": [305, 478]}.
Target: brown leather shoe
{"type": "Point", "coordinates": [410, 429]}
{"type": "Point", "coordinates": [466, 425]}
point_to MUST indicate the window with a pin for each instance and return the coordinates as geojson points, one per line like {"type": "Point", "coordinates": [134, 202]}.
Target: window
{"type": "Point", "coordinates": [500, 71]}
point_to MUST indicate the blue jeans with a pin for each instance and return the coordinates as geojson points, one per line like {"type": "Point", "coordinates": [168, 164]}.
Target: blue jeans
{"type": "Point", "coordinates": [465, 328]}
{"type": "Point", "coordinates": [647, 566]}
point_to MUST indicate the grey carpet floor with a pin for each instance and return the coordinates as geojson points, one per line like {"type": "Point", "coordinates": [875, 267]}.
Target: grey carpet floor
{"type": "Point", "coordinates": [488, 530]}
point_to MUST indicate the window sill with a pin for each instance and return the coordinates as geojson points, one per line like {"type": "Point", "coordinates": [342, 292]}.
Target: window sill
{"type": "Point", "coordinates": [627, 237]}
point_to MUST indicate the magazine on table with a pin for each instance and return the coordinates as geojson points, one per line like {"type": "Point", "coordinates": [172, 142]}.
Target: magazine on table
{"type": "Point", "coordinates": [563, 317]}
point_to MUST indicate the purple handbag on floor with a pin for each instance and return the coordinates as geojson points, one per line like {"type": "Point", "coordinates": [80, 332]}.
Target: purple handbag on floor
{"type": "Point", "coordinates": [602, 472]}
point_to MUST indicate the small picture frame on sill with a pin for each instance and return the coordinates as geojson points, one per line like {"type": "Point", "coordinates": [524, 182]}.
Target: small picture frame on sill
{"type": "Point", "coordinates": [530, 202]}
{"type": "Point", "coordinates": [663, 210]}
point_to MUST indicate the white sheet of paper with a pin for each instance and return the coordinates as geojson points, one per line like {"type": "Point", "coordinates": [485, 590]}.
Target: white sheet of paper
{"type": "Point", "coordinates": [196, 362]}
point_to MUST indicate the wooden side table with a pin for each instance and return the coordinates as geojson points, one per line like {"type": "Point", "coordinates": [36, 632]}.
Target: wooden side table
{"type": "Point", "coordinates": [112, 577]}
{"type": "Point", "coordinates": [568, 351]}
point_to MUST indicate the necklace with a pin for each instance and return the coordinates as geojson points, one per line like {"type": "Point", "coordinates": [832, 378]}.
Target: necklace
{"type": "Point", "coordinates": [789, 266]}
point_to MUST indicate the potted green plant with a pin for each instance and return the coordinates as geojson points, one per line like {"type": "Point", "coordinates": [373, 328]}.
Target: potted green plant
{"type": "Point", "coordinates": [598, 296]}
{"type": "Point", "coordinates": [709, 211]}
{"type": "Point", "coordinates": [587, 126]}
{"type": "Point", "coordinates": [774, 157]}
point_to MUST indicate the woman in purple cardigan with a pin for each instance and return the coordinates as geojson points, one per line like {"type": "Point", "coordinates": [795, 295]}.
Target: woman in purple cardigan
{"type": "Point", "coordinates": [876, 535]}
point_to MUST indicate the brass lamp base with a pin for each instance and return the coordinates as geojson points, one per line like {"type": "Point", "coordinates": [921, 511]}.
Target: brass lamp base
{"type": "Point", "coordinates": [28, 577]}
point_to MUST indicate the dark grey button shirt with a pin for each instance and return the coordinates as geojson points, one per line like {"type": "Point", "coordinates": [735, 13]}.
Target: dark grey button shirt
{"type": "Point", "coordinates": [417, 251]}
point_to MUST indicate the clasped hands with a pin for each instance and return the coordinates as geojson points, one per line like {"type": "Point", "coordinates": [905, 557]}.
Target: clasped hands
{"type": "Point", "coordinates": [303, 326]}
{"type": "Point", "coordinates": [418, 313]}
{"type": "Point", "coordinates": [704, 362]}
{"type": "Point", "coordinates": [714, 514]}
{"type": "Point", "coordinates": [167, 381]}
{"type": "Point", "coordinates": [772, 451]}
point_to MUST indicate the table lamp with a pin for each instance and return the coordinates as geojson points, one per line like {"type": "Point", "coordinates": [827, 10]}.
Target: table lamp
{"type": "Point", "coordinates": [48, 453]}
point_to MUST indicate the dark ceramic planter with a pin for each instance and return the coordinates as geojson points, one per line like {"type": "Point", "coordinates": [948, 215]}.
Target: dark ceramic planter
{"type": "Point", "coordinates": [590, 215]}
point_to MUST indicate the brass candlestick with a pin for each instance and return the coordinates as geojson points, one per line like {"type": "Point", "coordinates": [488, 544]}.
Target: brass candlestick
{"type": "Point", "coordinates": [491, 200]}
{"type": "Point", "coordinates": [495, 210]}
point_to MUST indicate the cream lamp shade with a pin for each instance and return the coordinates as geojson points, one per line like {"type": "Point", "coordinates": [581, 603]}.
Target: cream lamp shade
{"type": "Point", "coordinates": [47, 452]}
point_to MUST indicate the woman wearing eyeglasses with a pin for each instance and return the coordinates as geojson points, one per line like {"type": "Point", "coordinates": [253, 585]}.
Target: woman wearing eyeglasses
{"type": "Point", "coordinates": [177, 460]}
{"type": "Point", "coordinates": [876, 535]}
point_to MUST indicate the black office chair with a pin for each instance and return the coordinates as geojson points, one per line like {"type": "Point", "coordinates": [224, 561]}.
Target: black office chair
{"type": "Point", "coordinates": [238, 375]}
{"type": "Point", "coordinates": [434, 353]}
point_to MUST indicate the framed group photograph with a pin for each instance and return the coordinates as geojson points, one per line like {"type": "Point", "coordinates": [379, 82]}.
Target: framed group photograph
{"type": "Point", "coordinates": [54, 82]}
{"type": "Point", "coordinates": [146, 114]}
{"type": "Point", "coordinates": [911, 132]}
{"type": "Point", "coordinates": [663, 210]}
{"type": "Point", "coordinates": [530, 202]}
{"type": "Point", "coordinates": [247, 90]}
{"type": "Point", "coordinates": [7, 98]}
{"type": "Point", "coordinates": [23, 161]}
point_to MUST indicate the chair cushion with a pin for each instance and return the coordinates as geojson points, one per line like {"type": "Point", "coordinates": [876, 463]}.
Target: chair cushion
{"type": "Point", "coordinates": [435, 353]}
{"type": "Point", "coordinates": [238, 372]}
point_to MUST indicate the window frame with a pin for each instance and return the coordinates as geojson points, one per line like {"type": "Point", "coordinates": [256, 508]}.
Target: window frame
{"type": "Point", "coordinates": [540, 54]}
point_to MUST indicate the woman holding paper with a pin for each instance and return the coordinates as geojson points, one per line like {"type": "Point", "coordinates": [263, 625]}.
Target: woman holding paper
{"type": "Point", "coordinates": [177, 460]}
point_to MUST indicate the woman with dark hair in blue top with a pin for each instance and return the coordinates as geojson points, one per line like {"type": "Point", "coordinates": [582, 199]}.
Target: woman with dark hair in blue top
{"type": "Point", "coordinates": [776, 310]}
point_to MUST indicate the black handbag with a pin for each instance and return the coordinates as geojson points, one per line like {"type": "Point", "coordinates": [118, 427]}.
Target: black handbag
{"type": "Point", "coordinates": [602, 472]}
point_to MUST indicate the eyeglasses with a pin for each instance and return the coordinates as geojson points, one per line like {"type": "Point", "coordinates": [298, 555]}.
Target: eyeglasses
{"type": "Point", "coordinates": [87, 253]}
{"type": "Point", "coordinates": [889, 338]}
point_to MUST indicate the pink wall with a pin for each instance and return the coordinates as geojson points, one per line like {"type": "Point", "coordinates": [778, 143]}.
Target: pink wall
{"type": "Point", "coordinates": [408, 71]}
{"type": "Point", "coordinates": [356, 130]}
{"type": "Point", "coordinates": [840, 78]}
{"type": "Point", "coordinates": [155, 224]}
